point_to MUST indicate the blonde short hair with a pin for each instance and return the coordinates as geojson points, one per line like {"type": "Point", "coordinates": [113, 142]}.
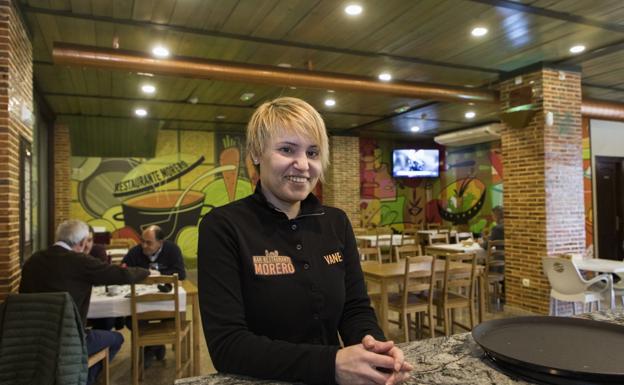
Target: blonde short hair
{"type": "Point", "coordinates": [286, 115]}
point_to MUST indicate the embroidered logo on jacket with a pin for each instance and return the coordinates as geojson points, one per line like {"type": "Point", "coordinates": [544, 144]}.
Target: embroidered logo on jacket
{"type": "Point", "coordinates": [271, 263]}
{"type": "Point", "coordinates": [333, 258]}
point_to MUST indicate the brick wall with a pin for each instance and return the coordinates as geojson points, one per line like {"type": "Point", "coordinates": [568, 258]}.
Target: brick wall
{"type": "Point", "coordinates": [62, 174]}
{"type": "Point", "coordinates": [543, 192]}
{"type": "Point", "coordinates": [342, 180]}
{"type": "Point", "coordinates": [15, 97]}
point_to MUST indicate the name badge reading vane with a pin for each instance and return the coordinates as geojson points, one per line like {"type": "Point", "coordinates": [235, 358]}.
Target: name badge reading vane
{"type": "Point", "coordinates": [273, 264]}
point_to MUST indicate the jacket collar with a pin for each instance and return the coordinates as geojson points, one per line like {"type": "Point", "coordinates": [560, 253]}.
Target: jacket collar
{"type": "Point", "coordinates": [310, 206]}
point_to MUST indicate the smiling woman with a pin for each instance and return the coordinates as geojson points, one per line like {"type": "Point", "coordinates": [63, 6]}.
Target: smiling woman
{"type": "Point", "coordinates": [279, 274]}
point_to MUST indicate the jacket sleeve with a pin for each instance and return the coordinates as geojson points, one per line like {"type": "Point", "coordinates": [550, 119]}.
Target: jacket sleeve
{"type": "Point", "coordinates": [98, 272]}
{"type": "Point", "coordinates": [232, 346]}
{"type": "Point", "coordinates": [176, 262]}
{"type": "Point", "coordinates": [358, 318]}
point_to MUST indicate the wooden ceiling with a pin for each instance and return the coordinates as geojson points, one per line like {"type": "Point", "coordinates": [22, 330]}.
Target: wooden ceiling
{"type": "Point", "coordinates": [417, 41]}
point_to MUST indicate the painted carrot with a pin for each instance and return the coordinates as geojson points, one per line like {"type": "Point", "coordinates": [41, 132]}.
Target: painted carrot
{"type": "Point", "coordinates": [230, 155]}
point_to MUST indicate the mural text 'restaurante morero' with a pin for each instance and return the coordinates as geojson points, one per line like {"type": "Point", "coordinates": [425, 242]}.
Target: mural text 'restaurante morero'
{"type": "Point", "coordinates": [151, 179]}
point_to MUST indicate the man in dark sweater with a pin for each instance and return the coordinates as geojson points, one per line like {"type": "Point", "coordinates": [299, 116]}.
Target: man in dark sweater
{"type": "Point", "coordinates": [155, 253]}
{"type": "Point", "coordinates": [65, 267]}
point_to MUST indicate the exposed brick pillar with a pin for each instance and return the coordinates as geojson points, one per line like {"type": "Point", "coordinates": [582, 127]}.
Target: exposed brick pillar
{"type": "Point", "coordinates": [342, 180]}
{"type": "Point", "coordinates": [15, 98]}
{"type": "Point", "coordinates": [543, 191]}
{"type": "Point", "coordinates": [62, 174]}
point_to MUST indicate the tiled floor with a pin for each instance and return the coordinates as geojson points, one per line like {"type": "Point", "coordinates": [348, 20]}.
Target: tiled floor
{"type": "Point", "coordinates": [162, 372]}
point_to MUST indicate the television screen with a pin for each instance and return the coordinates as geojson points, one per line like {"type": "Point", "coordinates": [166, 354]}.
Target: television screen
{"type": "Point", "coordinates": [410, 163]}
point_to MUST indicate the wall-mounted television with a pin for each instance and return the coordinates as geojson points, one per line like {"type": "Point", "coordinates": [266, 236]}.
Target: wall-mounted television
{"type": "Point", "coordinates": [413, 163]}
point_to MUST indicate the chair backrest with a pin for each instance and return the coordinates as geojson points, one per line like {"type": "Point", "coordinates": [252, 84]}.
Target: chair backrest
{"type": "Point", "coordinates": [495, 255]}
{"type": "Point", "coordinates": [417, 280]}
{"type": "Point", "coordinates": [370, 254]}
{"type": "Point", "coordinates": [433, 226]}
{"type": "Point", "coordinates": [462, 236]}
{"type": "Point", "coordinates": [438, 238]}
{"type": "Point", "coordinates": [121, 243]}
{"type": "Point", "coordinates": [463, 276]}
{"type": "Point", "coordinates": [412, 250]}
{"type": "Point", "coordinates": [137, 298]}
{"type": "Point", "coordinates": [563, 275]}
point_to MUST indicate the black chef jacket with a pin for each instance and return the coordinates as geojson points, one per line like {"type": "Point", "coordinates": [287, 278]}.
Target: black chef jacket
{"type": "Point", "coordinates": [274, 293]}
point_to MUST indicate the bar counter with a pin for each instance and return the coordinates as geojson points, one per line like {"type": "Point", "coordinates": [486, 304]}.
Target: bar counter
{"type": "Point", "coordinates": [444, 360]}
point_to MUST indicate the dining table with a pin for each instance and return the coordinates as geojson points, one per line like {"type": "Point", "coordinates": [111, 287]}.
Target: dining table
{"type": "Point", "coordinates": [457, 359]}
{"type": "Point", "coordinates": [461, 247]}
{"type": "Point", "coordinates": [386, 274]}
{"type": "Point", "coordinates": [105, 304]}
{"type": "Point", "coordinates": [384, 240]}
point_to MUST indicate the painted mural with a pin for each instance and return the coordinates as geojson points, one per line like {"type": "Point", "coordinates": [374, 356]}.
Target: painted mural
{"type": "Point", "coordinates": [470, 184]}
{"type": "Point", "coordinates": [386, 201]}
{"type": "Point", "coordinates": [587, 189]}
{"type": "Point", "coordinates": [191, 173]}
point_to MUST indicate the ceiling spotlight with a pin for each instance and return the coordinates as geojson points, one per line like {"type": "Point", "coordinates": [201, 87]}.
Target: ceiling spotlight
{"type": "Point", "coordinates": [285, 65]}
{"type": "Point", "coordinates": [221, 117]}
{"type": "Point", "coordinates": [330, 102]}
{"type": "Point", "coordinates": [470, 114]}
{"type": "Point", "coordinates": [331, 91]}
{"type": "Point", "coordinates": [247, 96]}
{"type": "Point", "coordinates": [414, 128]}
{"type": "Point", "coordinates": [140, 112]}
{"type": "Point", "coordinates": [160, 51]}
{"type": "Point", "coordinates": [148, 74]}
{"type": "Point", "coordinates": [353, 9]}
{"type": "Point", "coordinates": [577, 48]}
{"type": "Point", "coordinates": [385, 77]}
{"type": "Point", "coordinates": [148, 88]}
{"type": "Point", "coordinates": [479, 31]}
{"type": "Point", "coordinates": [401, 109]}
{"type": "Point", "coordinates": [193, 100]}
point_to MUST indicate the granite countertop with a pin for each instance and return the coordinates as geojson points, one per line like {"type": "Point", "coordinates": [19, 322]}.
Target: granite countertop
{"type": "Point", "coordinates": [445, 360]}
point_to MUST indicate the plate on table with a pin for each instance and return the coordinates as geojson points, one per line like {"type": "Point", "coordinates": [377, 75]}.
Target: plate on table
{"type": "Point", "coordinates": [555, 350]}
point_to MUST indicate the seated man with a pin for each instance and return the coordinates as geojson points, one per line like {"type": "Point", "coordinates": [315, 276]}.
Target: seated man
{"type": "Point", "coordinates": [65, 267]}
{"type": "Point", "coordinates": [96, 250]}
{"type": "Point", "coordinates": [155, 253]}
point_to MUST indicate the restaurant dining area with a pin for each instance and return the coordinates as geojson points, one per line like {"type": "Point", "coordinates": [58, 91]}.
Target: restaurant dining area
{"type": "Point", "coordinates": [214, 192]}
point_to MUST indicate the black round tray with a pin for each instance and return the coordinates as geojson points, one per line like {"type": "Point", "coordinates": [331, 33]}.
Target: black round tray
{"type": "Point", "coordinates": [555, 350]}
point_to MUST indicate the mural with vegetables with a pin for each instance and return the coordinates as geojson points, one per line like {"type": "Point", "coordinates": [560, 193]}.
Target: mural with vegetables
{"type": "Point", "coordinates": [191, 173]}
{"type": "Point", "coordinates": [470, 184]}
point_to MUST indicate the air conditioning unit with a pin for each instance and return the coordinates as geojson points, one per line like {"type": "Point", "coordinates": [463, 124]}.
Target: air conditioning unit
{"type": "Point", "coordinates": [487, 133]}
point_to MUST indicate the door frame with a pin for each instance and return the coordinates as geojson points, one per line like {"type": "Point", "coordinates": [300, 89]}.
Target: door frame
{"type": "Point", "coordinates": [606, 159]}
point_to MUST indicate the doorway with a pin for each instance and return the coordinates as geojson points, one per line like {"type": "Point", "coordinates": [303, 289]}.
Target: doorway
{"type": "Point", "coordinates": [610, 206]}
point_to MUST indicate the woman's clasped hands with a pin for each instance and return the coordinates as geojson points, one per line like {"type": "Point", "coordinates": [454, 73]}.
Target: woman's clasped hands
{"type": "Point", "coordinates": [371, 362]}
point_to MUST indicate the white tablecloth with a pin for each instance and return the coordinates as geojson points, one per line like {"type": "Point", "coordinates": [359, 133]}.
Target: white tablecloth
{"type": "Point", "coordinates": [459, 248]}
{"type": "Point", "coordinates": [103, 305]}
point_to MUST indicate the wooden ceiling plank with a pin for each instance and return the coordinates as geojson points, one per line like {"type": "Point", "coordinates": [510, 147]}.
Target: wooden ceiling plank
{"type": "Point", "coordinates": [81, 6]}
{"type": "Point", "coordinates": [163, 11]}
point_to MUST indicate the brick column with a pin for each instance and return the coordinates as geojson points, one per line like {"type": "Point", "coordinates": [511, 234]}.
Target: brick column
{"type": "Point", "coordinates": [543, 192]}
{"type": "Point", "coordinates": [15, 99]}
{"type": "Point", "coordinates": [342, 180]}
{"type": "Point", "coordinates": [62, 174]}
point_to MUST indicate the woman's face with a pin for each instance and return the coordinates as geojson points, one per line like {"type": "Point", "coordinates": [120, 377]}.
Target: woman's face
{"type": "Point", "coordinates": [289, 169]}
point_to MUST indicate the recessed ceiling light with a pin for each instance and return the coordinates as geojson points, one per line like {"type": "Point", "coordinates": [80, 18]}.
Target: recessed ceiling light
{"type": "Point", "coordinates": [331, 91]}
{"type": "Point", "coordinates": [140, 112]}
{"type": "Point", "coordinates": [330, 102]}
{"type": "Point", "coordinates": [148, 88]}
{"type": "Point", "coordinates": [401, 109]}
{"type": "Point", "coordinates": [470, 114]}
{"type": "Point", "coordinates": [247, 96]}
{"type": "Point", "coordinates": [479, 31]}
{"type": "Point", "coordinates": [145, 74]}
{"type": "Point", "coordinates": [353, 9]}
{"type": "Point", "coordinates": [577, 48]}
{"type": "Point", "coordinates": [292, 87]}
{"type": "Point", "coordinates": [386, 77]}
{"type": "Point", "coordinates": [285, 65]}
{"type": "Point", "coordinates": [414, 128]}
{"type": "Point", "coordinates": [160, 51]}
{"type": "Point", "coordinates": [221, 117]}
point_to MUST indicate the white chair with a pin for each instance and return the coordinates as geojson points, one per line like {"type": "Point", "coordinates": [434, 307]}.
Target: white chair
{"type": "Point", "coordinates": [618, 288]}
{"type": "Point", "coordinates": [567, 284]}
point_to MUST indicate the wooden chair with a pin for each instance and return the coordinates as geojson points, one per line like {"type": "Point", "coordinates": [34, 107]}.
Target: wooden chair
{"type": "Point", "coordinates": [432, 239]}
{"type": "Point", "coordinates": [458, 290]}
{"type": "Point", "coordinates": [462, 236]}
{"type": "Point", "coordinates": [384, 234]}
{"type": "Point", "coordinates": [415, 295]}
{"type": "Point", "coordinates": [409, 236]}
{"type": "Point", "coordinates": [433, 226]}
{"type": "Point", "coordinates": [370, 254]}
{"type": "Point", "coordinates": [403, 251]}
{"type": "Point", "coordinates": [495, 270]}
{"type": "Point", "coordinates": [159, 327]}
{"type": "Point", "coordinates": [127, 243]}
{"type": "Point", "coordinates": [102, 355]}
